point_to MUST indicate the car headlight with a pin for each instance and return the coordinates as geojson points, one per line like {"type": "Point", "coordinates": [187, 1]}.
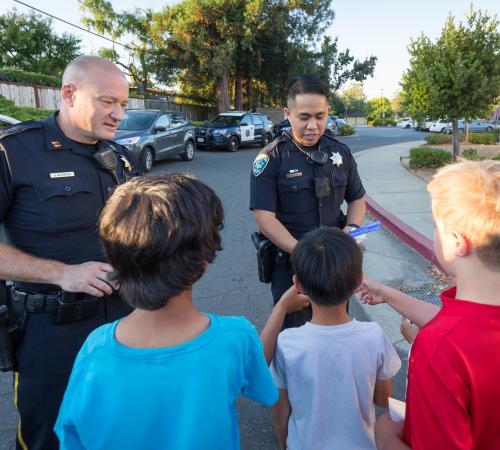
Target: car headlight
{"type": "Point", "coordinates": [221, 132]}
{"type": "Point", "coordinates": [128, 141]}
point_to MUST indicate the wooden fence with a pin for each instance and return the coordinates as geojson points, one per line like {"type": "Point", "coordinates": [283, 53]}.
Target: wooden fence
{"type": "Point", "coordinates": [49, 98]}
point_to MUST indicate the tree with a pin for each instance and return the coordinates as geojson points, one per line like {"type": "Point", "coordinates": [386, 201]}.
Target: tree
{"type": "Point", "coordinates": [28, 42]}
{"type": "Point", "coordinates": [458, 76]}
{"type": "Point", "coordinates": [144, 59]}
{"type": "Point", "coordinates": [379, 111]}
{"type": "Point", "coordinates": [397, 103]}
{"type": "Point", "coordinates": [353, 97]}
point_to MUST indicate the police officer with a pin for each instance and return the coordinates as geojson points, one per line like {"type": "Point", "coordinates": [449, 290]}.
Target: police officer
{"type": "Point", "coordinates": [300, 181]}
{"type": "Point", "coordinates": [55, 176]}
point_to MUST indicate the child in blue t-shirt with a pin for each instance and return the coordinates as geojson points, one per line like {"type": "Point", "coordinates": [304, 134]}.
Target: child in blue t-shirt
{"type": "Point", "coordinates": [167, 376]}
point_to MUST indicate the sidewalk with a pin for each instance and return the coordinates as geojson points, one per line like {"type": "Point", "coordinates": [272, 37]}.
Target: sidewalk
{"type": "Point", "coordinates": [401, 202]}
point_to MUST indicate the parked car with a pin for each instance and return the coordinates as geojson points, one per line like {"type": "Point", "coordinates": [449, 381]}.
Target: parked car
{"type": "Point", "coordinates": [331, 127]}
{"type": "Point", "coordinates": [340, 123]}
{"type": "Point", "coordinates": [475, 126]}
{"type": "Point", "coordinates": [153, 134]}
{"type": "Point", "coordinates": [438, 126]}
{"type": "Point", "coordinates": [7, 121]}
{"type": "Point", "coordinates": [406, 123]}
{"type": "Point", "coordinates": [231, 129]}
{"type": "Point", "coordinates": [494, 123]}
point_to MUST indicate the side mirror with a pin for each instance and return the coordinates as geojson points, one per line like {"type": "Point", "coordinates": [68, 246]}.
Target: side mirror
{"type": "Point", "coordinates": [159, 129]}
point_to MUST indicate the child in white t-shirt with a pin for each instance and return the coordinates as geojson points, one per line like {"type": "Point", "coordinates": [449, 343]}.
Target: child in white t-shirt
{"type": "Point", "coordinates": [333, 370]}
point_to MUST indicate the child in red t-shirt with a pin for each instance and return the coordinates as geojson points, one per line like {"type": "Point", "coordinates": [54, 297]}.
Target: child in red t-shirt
{"type": "Point", "coordinates": [453, 390]}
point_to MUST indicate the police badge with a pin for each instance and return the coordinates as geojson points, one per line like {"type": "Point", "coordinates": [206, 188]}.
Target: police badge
{"type": "Point", "coordinates": [336, 158]}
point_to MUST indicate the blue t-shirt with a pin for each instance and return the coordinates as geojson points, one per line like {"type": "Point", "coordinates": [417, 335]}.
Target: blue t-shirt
{"type": "Point", "coordinates": [181, 397]}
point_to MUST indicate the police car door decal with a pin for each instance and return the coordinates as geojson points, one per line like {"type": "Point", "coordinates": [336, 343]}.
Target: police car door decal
{"type": "Point", "coordinates": [247, 132]}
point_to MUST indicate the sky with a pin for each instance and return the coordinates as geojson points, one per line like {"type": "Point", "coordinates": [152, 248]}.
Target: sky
{"type": "Point", "coordinates": [382, 28]}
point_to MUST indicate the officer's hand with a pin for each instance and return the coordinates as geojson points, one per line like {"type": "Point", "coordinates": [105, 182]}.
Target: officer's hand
{"type": "Point", "coordinates": [91, 277]}
{"type": "Point", "coordinates": [370, 291]}
{"type": "Point", "coordinates": [293, 301]}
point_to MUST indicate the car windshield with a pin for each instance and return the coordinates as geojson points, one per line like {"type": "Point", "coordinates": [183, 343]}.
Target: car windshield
{"type": "Point", "coordinates": [226, 120]}
{"type": "Point", "coordinates": [135, 121]}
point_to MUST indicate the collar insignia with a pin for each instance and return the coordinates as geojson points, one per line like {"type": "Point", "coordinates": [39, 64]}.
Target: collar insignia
{"type": "Point", "coordinates": [336, 159]}
{"type": "Point", "coordinates": [56, 144]}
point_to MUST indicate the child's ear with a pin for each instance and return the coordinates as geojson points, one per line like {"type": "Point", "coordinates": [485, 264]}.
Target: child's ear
{"type": "Point", "coordinates": [297, 284]}
{"type": "Point", "coordinates": [462, 244]}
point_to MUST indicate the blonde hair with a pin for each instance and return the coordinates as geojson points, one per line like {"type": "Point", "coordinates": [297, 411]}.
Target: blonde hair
{"type": "Point", "coordinates": [466, 198]}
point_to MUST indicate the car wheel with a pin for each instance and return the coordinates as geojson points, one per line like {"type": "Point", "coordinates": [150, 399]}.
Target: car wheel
{"type": "Point", "coordinates": [232, 144]}
{"type": "Point", "coordinates": [407, 127]}
{"type": "Point", "coordinates": [267, 138]}
{"type": "Point", "coordinates": [489, 129]}
{"type": "Point", "coordinates": [443, 130]}
{"type": "Point", "coordinates": [188, 153]}
{"type": "Point", "coordinates": [147, 159]}
{"type": "Point", "coordinates": [461, 131]}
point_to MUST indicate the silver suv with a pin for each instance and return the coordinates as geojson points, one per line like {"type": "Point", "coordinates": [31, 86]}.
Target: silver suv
{"type": "Point", "coordinates": [153, 134]}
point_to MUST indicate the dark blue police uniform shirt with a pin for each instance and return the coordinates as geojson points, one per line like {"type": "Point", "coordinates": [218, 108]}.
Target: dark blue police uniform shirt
{"type": "Point", "coordinates": [52, 191]}
{"type": "Point", "coordinates": [286, 186]}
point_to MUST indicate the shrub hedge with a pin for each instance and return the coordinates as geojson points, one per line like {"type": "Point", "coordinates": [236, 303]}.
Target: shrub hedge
{"type": "Point", "coordinates": [427, 157]}
{"type": "Point", "coordinates": [437, 139]}
{"type": "Point", "coordinates": [23, 76]}
{"type": "Point", "coordinates": [9, 108]}
{"type": "Point", "coordinates": [496, 158]}
{"type": "Point", "coordinates": [482, 138]}
{"type": "Point", "coordinates": [470, 153]}
{"type": "Point", "coordinates": [346, 130]}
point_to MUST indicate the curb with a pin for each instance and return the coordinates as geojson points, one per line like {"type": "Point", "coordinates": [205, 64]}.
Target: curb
{"type": "Point", "coordinates": [411, 237]}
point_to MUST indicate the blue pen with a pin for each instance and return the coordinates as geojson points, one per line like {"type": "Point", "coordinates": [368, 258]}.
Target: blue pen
{"type": "Point", "coordinates": [365, 229]}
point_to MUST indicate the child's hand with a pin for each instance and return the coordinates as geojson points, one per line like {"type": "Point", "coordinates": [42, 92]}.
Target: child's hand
{"type": "Point", "coordinates": [388, 432]}
{"type": "Point", "coordinates": [370, 291]}
{"type": "Point", "coordinates": [293, 301]}
{"type": "Point", "coordinates": [408, 330]}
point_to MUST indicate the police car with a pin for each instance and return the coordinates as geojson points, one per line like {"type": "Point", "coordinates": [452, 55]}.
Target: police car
{"type": "Point", "coordinates": [231, 129]}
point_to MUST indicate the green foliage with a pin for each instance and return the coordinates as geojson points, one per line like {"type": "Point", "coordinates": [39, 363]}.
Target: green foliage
{"type": "Point", "coordinates": [28, 42]}
{"type": "Point", "coordinates": [438, 139]}
{"type": "Point", "coordinates": [496, 157]}
{"type": "Point", "coordinates": [9, 108]}
{"type": "Point", "coordinates": [427, 157]}
{"type": "Point", "coordinates": [459, 74]}
{"type": "Point", "coordinates": [470, 153]}
{"type": "Point", "coordinates": [22, 76]}
{"type": "Point", "coordinates": [482, 138]}
{"type": "Point", "coordinates": [346, 130]}
{"type": "Point", "coordinates": [353, 98]}
{"type": "Point", "coordinates": [197, 123]}
{"type": "Point", "coordinates": [379, 110]}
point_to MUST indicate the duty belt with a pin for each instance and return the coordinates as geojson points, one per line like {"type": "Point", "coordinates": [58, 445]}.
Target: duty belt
{"type": "Point", "coordinates": [35, 303]}
{"type": "Point", "coordinates": [67, 307]}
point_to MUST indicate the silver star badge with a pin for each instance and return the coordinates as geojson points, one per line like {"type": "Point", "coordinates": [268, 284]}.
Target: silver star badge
{"type": "Point", "coordinates": [336, 159]}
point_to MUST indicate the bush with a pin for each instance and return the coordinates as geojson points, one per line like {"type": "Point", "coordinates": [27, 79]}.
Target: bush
{"type": "Point", "coordinates": [482, 138]}
{"type": "Point", "coordinates": [496, 158]}
{"type": "Point", "coordinates": [379, 123]}
{"type": "Point", "coordinates": [471, 154]}
{"type": "Point", "coordinates": [197, 123]}
{"type": "Point", "coordinates": [23, 76]}
{"type": "Point", "coordinates": [346, 130]}
{"type": "Point", "coordinates": [9, 108]}
{"type": "Point", "coordinates": [438, 139]}
{"type": "Point", "coordinates": [432, 158]}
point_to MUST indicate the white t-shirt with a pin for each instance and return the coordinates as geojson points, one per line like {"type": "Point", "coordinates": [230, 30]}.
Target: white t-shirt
{"type": "Point", "coordinates": [330, 374]}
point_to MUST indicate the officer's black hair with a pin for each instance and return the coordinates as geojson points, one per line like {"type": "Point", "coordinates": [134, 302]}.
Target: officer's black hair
{"type": "Point", "coordinates": [158, 234]}
{"type": "Point", "coordinates": [328, 264]}
{"type": "Point", "coordinates": [306, 84]}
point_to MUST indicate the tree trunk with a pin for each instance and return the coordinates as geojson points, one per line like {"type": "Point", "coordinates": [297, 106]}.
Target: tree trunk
{"type": "Point", "coordinates": [466, 131]}
{"type": "Point", "coordinates": [455, 140]}
{"type": "Point", "coordinates": [223, 100]}
{"type": "Point", "coordinates": [238, 87]}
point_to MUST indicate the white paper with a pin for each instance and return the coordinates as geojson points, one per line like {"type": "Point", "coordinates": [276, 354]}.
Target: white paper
{"type": "Point", "coordinates": [397, 409]}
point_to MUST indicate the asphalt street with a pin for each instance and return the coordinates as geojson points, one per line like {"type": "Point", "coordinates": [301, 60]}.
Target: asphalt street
{"type": "Point", "coordinates": [231, 286]}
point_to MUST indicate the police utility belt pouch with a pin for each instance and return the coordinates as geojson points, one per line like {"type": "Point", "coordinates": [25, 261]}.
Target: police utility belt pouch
{"type": "Point", "coordinates": [11, 329]}
{"type": "Point", "coordinates": [66, 307]}
{"type": "Point", "coordinates": [266, 252]}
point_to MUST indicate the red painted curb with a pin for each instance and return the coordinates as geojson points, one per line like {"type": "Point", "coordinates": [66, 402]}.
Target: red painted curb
{"type": "Point", "coordinates": [417, 241]}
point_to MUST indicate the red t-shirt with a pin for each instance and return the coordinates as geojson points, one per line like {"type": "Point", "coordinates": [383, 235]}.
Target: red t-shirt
{"type": "Point", "coordinates": [453, 397]}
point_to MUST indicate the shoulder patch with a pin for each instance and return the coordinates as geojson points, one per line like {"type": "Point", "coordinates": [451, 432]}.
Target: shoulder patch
{"type": "Point", "coordinates": [260, 164]}
{"type": "Point", "coordinates": [19, 128]}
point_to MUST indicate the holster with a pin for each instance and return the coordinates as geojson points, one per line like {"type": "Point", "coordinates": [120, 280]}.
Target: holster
{"type": "Point", "coordinates": [11, 330]}
{"type": "Point", "coordinates": [266, 256]}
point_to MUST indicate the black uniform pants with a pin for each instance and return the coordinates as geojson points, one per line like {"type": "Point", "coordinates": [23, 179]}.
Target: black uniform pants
{"type": "Point", "coordinates": [281, 280]}
{"type": "Point", "coordinates": [44, 362]}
